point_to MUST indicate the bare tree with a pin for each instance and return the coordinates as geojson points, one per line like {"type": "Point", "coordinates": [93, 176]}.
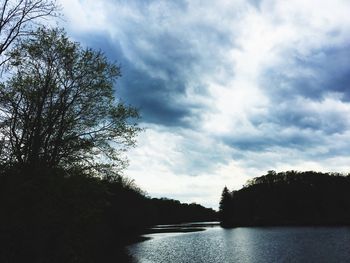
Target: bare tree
{"type": "Point", "coordinates": [17, 18]}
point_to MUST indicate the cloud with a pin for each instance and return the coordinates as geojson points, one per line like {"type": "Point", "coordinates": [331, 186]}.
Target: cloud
{"type": "Point", "coordinates": [226, 90]}
{"type": "Point", "coordinates": [315, 76]}
{"type": "Point", "coordinates": [169, 52]}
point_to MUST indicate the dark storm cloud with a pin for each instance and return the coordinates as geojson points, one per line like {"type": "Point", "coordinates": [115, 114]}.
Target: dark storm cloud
{"type": "Point", "coordinates": [164, 55]}
{"type": "Point", "coordinates": [294, 115]}
{"type": "Point", "coordinates": [160, 66]}
{"type": "Point", "coordinates": [312, 76]}
{"type": "Point", "coordinates": [274, 137]}
{"type": "Point", "coordinates": [157, 98]}
{"type": "Point", "coordinates": [305, 80]}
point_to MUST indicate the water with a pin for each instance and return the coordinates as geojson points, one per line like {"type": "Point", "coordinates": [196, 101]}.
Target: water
{"type": "Point", "coordinates": [250, 244]}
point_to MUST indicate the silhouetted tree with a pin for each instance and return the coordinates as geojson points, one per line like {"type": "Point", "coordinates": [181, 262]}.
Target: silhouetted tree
{"type": "Point", "coordinates": [17, 17]}
{"type": "Point", "coordinates": [59, 107]}
{"type": "Point", "coordinates": [225, 207]}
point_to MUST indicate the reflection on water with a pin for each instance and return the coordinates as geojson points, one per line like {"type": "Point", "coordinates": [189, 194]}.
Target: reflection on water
{"type": "Point", "coordinates": [253, 244]}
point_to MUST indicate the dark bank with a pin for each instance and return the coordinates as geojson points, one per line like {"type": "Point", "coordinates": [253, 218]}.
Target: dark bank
{"type": "Point", "coordinates": [47, 216]}
{"type": "Point", "coordinates": [288, 198]}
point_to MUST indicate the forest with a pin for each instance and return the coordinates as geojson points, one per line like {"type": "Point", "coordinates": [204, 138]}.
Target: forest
{"type": "Point", "coordinates": [51, 217]}
{"type": "Point", "coordinates": [288, 198]}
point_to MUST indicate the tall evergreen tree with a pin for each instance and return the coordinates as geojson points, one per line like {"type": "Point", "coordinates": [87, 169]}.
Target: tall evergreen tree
{"type": "Point", "coordinates": [225, 208]}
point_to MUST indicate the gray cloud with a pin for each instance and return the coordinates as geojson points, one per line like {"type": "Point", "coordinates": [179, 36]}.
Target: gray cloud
{"type": "Point", "coordinates": [293, 86]}
{"type": "Point", "coordinates": [313, 76]}
{"type": "Point", "coordinates": [157, 98]}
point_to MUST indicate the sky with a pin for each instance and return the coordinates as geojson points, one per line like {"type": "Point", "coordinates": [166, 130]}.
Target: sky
{"type": "Point", "coordinates": [227, 90]}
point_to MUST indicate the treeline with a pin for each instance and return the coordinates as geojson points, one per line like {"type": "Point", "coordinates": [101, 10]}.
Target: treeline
{"type": "Point", "coordinates": [169, 211]}
{"type": "Point", "coordinates": [48, 216]}
{"type": "Point", "coordinates": [288, 198]}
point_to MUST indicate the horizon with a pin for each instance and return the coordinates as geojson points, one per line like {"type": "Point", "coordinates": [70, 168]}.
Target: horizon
{"type": "Point", "coordinates": [226, 91]}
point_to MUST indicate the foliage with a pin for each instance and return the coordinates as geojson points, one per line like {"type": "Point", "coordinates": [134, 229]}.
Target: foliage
{"type": "Point", "coordinates": [292, 198]}
{"type": "Point", "coordinates": [17, 17]}
{"type": "Point", "coordinates": [59, 109]}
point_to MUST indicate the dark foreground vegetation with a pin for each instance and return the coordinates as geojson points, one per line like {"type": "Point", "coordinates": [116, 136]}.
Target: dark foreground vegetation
{"type": "Point", "coordinates": [288, 198]}
{"type": "Point", "coordinates": [47, 216]}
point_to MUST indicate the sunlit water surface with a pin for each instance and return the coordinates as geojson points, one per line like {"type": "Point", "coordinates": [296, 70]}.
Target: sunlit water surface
{"type": "Point", "coordinates": [251, 244]}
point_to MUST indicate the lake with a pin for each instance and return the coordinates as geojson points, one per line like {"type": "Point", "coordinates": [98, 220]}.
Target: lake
{"type": "Point", "coordinates": [246, 244]}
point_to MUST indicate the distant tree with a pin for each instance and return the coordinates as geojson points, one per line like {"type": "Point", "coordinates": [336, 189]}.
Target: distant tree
{"type": "Point", "coordinates": [59, 107]}
{"type": "Point", "coordinates": [17, 17]}
{"type": "Point", "coordinates": [225, 207]}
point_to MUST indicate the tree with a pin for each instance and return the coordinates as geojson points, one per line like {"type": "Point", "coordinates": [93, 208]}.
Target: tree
{"type": "Point", "coordinates": [16, 17]}
{"type": "Point", "coordinates": [59, 110]}
{"type": "Point", "coordinates": [225, 207]}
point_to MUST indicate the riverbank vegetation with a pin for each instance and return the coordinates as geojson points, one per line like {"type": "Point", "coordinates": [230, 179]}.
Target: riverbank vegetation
{"type": "Point", "coordinates": [48, 215]}
{"type": "Point", "coordinates": [288, 198]}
